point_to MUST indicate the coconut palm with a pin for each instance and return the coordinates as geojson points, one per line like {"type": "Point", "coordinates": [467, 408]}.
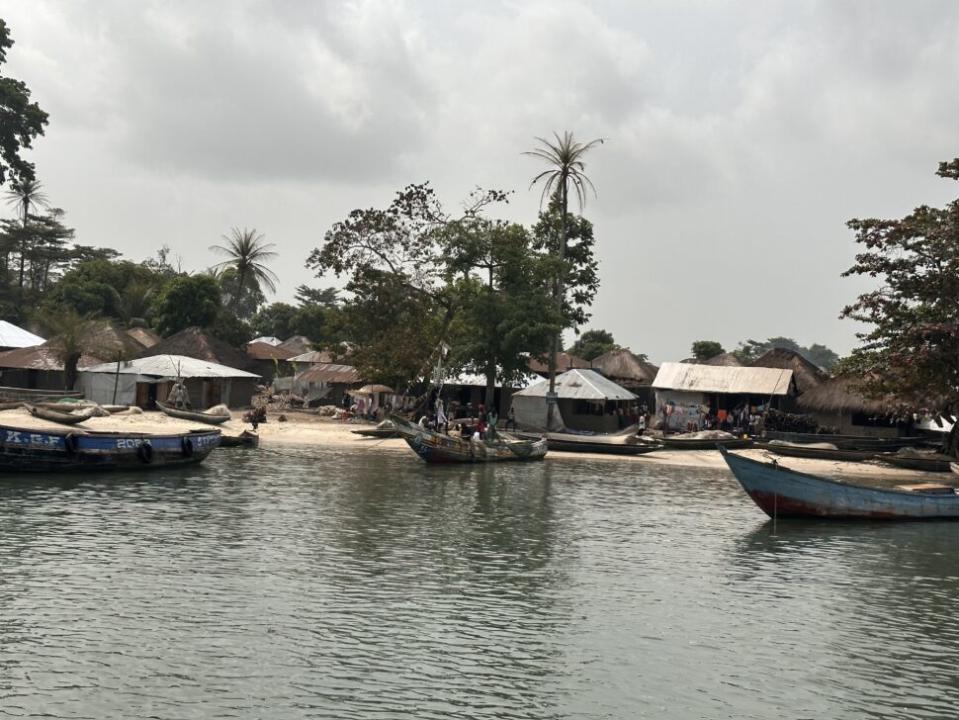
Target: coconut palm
{"type": "Point", "coordinates": [567, 170]}
{"type": "Point", "coordinates": [246, 254]}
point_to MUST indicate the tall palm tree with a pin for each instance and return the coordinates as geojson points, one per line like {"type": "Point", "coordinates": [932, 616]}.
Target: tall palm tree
{"type": "Point", "coordinates": [247, 253]}
{"type": "Point", "coordinates": [567, 170]}
{"type": "Point", "coordinates": [23, 196]}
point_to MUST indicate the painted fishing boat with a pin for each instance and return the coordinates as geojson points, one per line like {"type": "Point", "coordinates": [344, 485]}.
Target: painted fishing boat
{"type": "Point", "coordinates": [927, 462]}
{"type": "Point", "coordinates": [816, 451]}
{"type": "Point", "coordinates": [685, 443]}
{"type": "Point", "coordinates": [214, 416]}
{"type": "Point", "coordinates": [783, 493]}
{"type": "Point", "coordinates": [244, 439]}
{"type": "Point", "coordinates": [62, 417]}
{"type": "Point", "coordinates": [434, 447]}
{"type": "Point", "coordinates": [30, 450]}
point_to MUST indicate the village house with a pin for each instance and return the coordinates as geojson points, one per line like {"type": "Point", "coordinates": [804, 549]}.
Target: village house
{"type": "Point", "coordinates": [585, 401]}
{"type": "Point", "coordinates": [630, 371]}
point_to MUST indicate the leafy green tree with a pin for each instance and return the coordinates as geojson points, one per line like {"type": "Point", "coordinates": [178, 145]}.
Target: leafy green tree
{"type": "Point", "coordinates": [593, 343]}
{"type": "Point", "coordinates": [822, 356]}
{"type": "Point", "coordinates": [185, 301]}
{"type": "Point", "coordinates": [21, 121]}
{"type": "Point", "coordinates": [275, 319]}
{"type": "Point", "coordinates": [911, 350]}
{"type": "Point", "coordinates": [71, 335]}
{"type": "Point", "coordinates": [243, 303]}
{"type": "Point", "coordinates": [706, 349]}
{"type": "Point", "coordinates": [567, 171]}
{"type": "Point", "coordinates": [247, 255]}
{"type": "Point", "coordinates": [228, 327]}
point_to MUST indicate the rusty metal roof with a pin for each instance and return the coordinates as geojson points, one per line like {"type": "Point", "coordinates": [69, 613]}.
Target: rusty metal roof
{"type": "Point", "coordinates": [720, 379]}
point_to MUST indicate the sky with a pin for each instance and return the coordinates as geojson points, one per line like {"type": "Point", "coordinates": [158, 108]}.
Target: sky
{"type": "Point", "coordinates": [739, 136]}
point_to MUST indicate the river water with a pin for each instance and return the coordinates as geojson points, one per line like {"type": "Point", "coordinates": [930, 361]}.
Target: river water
{"type": "Point", "coordinates": [345, 583]}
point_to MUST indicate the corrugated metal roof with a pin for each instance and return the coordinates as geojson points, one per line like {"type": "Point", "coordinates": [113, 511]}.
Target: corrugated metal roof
{"type": "Point", "coordinates": [719, 379]}
{"type": "Point", "coordinates": [171, 366]}
{"type": "Point", "coordinates": [580, 385]}
{"type": "Point", "coordinates": [313, 356]}
{"type": "Point", "coordinates": [329, 373]}
{"type": "Point", "coordinates": [12, 336]}
{"type": "Point", "coordinates": [264, 351]}
{"type": "Point", "coordinates": [469, 379]}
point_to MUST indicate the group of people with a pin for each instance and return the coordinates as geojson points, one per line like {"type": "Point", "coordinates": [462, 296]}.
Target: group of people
{"type": "Point", "coordinates": [481, 427]}
{"type": "Point", "coordinates": [743, 419]}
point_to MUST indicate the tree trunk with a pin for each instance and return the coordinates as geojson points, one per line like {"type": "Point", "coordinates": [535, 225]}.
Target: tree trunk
{"type": "Point", "coordinates": [558, 302]}
{"type": "Point", "coordinates": [70, 371]}
{"type": "Point", "coordinates": [952, 439]}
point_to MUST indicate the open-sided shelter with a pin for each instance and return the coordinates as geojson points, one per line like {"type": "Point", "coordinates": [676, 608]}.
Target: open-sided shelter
{"type": "Point", "coordinates": [838, 404]}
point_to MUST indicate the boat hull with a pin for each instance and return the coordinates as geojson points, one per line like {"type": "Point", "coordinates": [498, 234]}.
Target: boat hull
{"type": "Point", "coordinates": [199, 417]}
{"type": "Point", "coordinates": [706, 444]}
{"type": "Point", "coordinates": [847, 442]}
{"type": "Point", "coordinates": [434, 447]}
{"type": "Point", "coordinates": [26, 450]}
{"type": "Point", "coordinates": [818, 453]}
{"type": "Point", "coordinates": [784, 493]}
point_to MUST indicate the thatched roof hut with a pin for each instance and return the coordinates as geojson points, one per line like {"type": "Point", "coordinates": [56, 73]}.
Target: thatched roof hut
{"type": "Point", "coordinates": [564, 362]}
{"type": "Point", "coordinates": [626, 368]}
{"type": "Point", "coordinates": [726, 359]}
{"type": "Point", "coordinates": [840, 395]}
{"type": "Point", "coordinates": [805, 373]}
{"type": "Point", "coordinates": [195, 343]}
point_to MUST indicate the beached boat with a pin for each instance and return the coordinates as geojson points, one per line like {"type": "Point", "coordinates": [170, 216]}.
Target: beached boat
{"type": "Point", "coordinates": [816, 451]}
{"type": "Point", "coordinates": [64, 417]}
{"type": "Point", "coordinates": [784, 493]}
{"type": "Point", "coordinates": [705, 443]}
{"type": "Point", "coordinates": [434, 447]}
{"type": "Point", "coordinates": [31, 450]}
{"type": "Point", "coordinates": [611, 444]}
{"type": "Point", "coordinates": [244, 439]}
{"type": "Point", "coordinates": [927, 462]}
{"type": "Point", "coordinates": [213, 416]}
{"type": "Point", "coordinates": [848, 442]}
{"type": "Point", "coordinates": [385, 429]}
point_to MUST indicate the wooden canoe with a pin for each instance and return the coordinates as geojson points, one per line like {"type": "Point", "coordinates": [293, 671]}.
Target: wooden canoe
{"type": "Point", "coordinates": [202, 417]}
{"type": "Point", "coordinates": [816, 453]}
{"type": "Point", "coordinates": [927, 462]}
{"type": "Point", "coordinates": [848, 442]}
{"type": "Point", "coordinates": [434, 447]}
{"type": "Point", "coordinates": [64, 418]}
{"type": "Point", "coordinates": [783, 493]}
{"type": "Point", "coordinates": [597, 444]}
{"type": "Point", "coordinates": [705, 443]}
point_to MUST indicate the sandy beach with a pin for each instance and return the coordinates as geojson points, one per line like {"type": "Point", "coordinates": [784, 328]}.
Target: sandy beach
{"type": "Point", "coordinates": [305, 429]}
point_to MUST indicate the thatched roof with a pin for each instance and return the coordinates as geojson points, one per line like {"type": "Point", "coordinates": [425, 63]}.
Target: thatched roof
{"type": "Point", "coordinates": [564, 362]}
{"type": "Point", "coordinates": [840, 395]}
{"type": "Point", "coordinates": [725, 359]}
{"type": "Point", "coordinates": [805, 373]}
{"type": "Point", "coordinates": [625, 368]}
{"type": "Point", "coordinates": [108, 340]}
{"type": "Point", "coordinates": [195, 343]}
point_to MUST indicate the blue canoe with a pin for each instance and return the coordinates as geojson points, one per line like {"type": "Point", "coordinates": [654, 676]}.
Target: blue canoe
{"type": "Point", "coordinates": [784, 493]}
{"type": "Point", "coordinates": [30, 450]}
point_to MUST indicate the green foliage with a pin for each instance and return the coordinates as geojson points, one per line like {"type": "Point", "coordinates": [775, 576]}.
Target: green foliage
{"type": "Point", "coordinates": [243, 302]}
{"type": "Point", "coordinates": [911, 349]}
{"type": "Point", "coordinates": [593, 343]}
{"type": "Point", "coordinates": [275, 319]}
{"type": "Point", "coordinates": [21, 121]}
{"type": "Point", "coordinates": [229, 328]}
{"type": "Point", "coordinates": [185, 301]}
{"type": "Point", "coordinates": [118, 289]}
{"type": "Point", "coordinates": [706, 349]}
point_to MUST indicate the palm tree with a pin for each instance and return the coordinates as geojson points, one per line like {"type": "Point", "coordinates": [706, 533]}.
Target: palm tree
{"type": "Point", "coordinates": [22, 196]}
{"type": "Point", "coordinates": [246, 253]}
{"type": "Point", "coordinates": [565, 157]}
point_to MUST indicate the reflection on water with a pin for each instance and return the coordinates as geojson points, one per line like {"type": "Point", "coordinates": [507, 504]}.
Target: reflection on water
{"type": "Point", "coordinates": [327, 583]}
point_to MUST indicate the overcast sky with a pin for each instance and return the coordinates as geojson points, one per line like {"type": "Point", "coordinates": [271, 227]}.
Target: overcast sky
{"type": "Point", "coordinates": [740, 136]}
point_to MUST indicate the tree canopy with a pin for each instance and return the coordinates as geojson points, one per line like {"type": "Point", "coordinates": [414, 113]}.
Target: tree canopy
{"type": "Point", "coordinates": [706, 349]}
{"type": "Point", "coordinates": [593, 343]}
{"type": "Point", "coordinates": [911, 348]}
{"type": "Point", "coordinates": [21, 121]}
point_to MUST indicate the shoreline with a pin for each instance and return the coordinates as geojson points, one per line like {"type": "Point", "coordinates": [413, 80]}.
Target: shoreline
{"type": "Point", "coordinates": [306, 429]}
